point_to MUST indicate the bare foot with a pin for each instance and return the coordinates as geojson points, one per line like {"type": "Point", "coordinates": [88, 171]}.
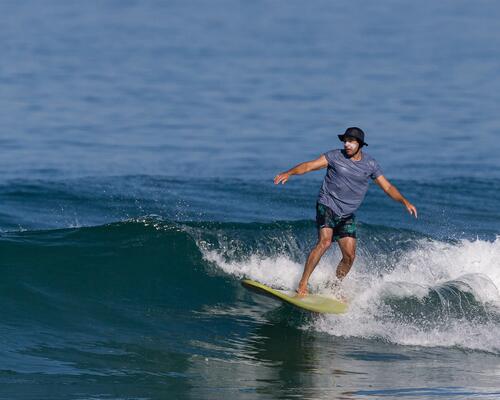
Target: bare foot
{"type": "Point", "coordinates": [302, 290]}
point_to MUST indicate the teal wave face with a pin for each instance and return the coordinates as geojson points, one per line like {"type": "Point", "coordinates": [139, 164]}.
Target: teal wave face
{"type": "Point", "coordinates": [97, 286]}
{"type": "Point", "coordinates": [123, 261]}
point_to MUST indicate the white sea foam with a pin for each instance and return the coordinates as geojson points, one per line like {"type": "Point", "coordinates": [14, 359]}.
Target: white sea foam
{"type": "Point", "coordinates": [277, 271]}
{"type": "Point", "coordinates": [471, 266]}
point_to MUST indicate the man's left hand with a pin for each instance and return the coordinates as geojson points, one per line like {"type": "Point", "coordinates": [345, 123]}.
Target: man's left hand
{"type": "Point", "coordinates": [411, 208]}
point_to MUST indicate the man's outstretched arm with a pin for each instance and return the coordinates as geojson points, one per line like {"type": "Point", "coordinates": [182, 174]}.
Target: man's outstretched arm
{"type": "Point", "coordinates": [302, 168]}
{"type": "Point", "coordinates": [394, 194]}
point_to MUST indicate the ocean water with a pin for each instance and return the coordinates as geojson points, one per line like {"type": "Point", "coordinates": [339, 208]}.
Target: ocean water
{"type": "Point", "coordinates": [139, 141]}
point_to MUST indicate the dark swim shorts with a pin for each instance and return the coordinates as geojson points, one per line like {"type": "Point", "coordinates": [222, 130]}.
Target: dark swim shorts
{"type": "Point", "coordinates": [342, 226]}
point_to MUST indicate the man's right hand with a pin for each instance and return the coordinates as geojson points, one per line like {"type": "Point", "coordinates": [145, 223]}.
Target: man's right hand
{"type": "Point", "coordinates": [281, 178]}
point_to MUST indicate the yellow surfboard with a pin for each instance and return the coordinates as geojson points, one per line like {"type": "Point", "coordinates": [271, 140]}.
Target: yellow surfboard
{"type": "Point", "coordinates": [312, 302]}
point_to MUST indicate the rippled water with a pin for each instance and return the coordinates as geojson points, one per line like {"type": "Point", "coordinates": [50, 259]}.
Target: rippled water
{"type": "Point", "coordinates": [139, 142]}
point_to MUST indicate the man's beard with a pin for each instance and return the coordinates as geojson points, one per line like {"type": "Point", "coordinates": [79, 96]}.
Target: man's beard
{"type": "Point", "coordinates": [353, 154]}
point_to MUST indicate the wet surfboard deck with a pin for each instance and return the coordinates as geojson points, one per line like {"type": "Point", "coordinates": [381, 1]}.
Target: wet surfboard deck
{"type": "Point", "coordinates": [312, 302]}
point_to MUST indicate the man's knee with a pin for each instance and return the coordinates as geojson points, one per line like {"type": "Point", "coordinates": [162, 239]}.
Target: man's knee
{"type": "Point", "coordinates": [324, 244]}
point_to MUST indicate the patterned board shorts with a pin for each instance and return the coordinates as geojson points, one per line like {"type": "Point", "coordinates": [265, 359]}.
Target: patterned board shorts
{"type": "Point", "coordinates": [342, 226]}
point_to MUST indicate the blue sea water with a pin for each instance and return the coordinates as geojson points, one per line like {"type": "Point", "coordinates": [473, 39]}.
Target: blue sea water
{"type": "Point", "coordinates": [139, 143]}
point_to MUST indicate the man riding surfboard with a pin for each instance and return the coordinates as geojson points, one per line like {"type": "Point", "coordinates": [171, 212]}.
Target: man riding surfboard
{"type": "Point", "coordinates": [346, 181]}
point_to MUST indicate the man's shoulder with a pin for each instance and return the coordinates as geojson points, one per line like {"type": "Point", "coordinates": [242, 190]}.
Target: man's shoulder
{"type": "Point", "coordinates": [333, 153]}
{"type": "Point", "coordinates": [368, 158]}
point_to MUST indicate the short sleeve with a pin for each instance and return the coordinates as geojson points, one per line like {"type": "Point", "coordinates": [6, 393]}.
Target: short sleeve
{"type": "Point", "coordinates": [376, 170]}
{"type": "Point", "coordinates": [331, 156]}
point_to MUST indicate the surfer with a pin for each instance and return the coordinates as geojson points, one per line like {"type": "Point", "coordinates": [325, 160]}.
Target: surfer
{"type": "Point", "coordinates": [344, 188]}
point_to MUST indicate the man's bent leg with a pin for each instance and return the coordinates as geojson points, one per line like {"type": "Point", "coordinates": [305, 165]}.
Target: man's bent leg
{"type": "Point", "coordinates": [324, 242]}
{"type": "Point", "coordinates": [348, 248]}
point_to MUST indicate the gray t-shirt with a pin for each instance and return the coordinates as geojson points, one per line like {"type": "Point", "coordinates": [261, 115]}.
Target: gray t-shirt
{"type": "Point", "coordinates": [346, 181]}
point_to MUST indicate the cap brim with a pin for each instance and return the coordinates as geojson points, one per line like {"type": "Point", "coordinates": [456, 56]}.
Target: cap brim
{"type": "Point", "coordinates": [341, 138]}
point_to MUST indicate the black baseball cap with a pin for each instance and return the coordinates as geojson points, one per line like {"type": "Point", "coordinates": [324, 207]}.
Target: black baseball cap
{"type": "Point", "coordinates": [355, 133]}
